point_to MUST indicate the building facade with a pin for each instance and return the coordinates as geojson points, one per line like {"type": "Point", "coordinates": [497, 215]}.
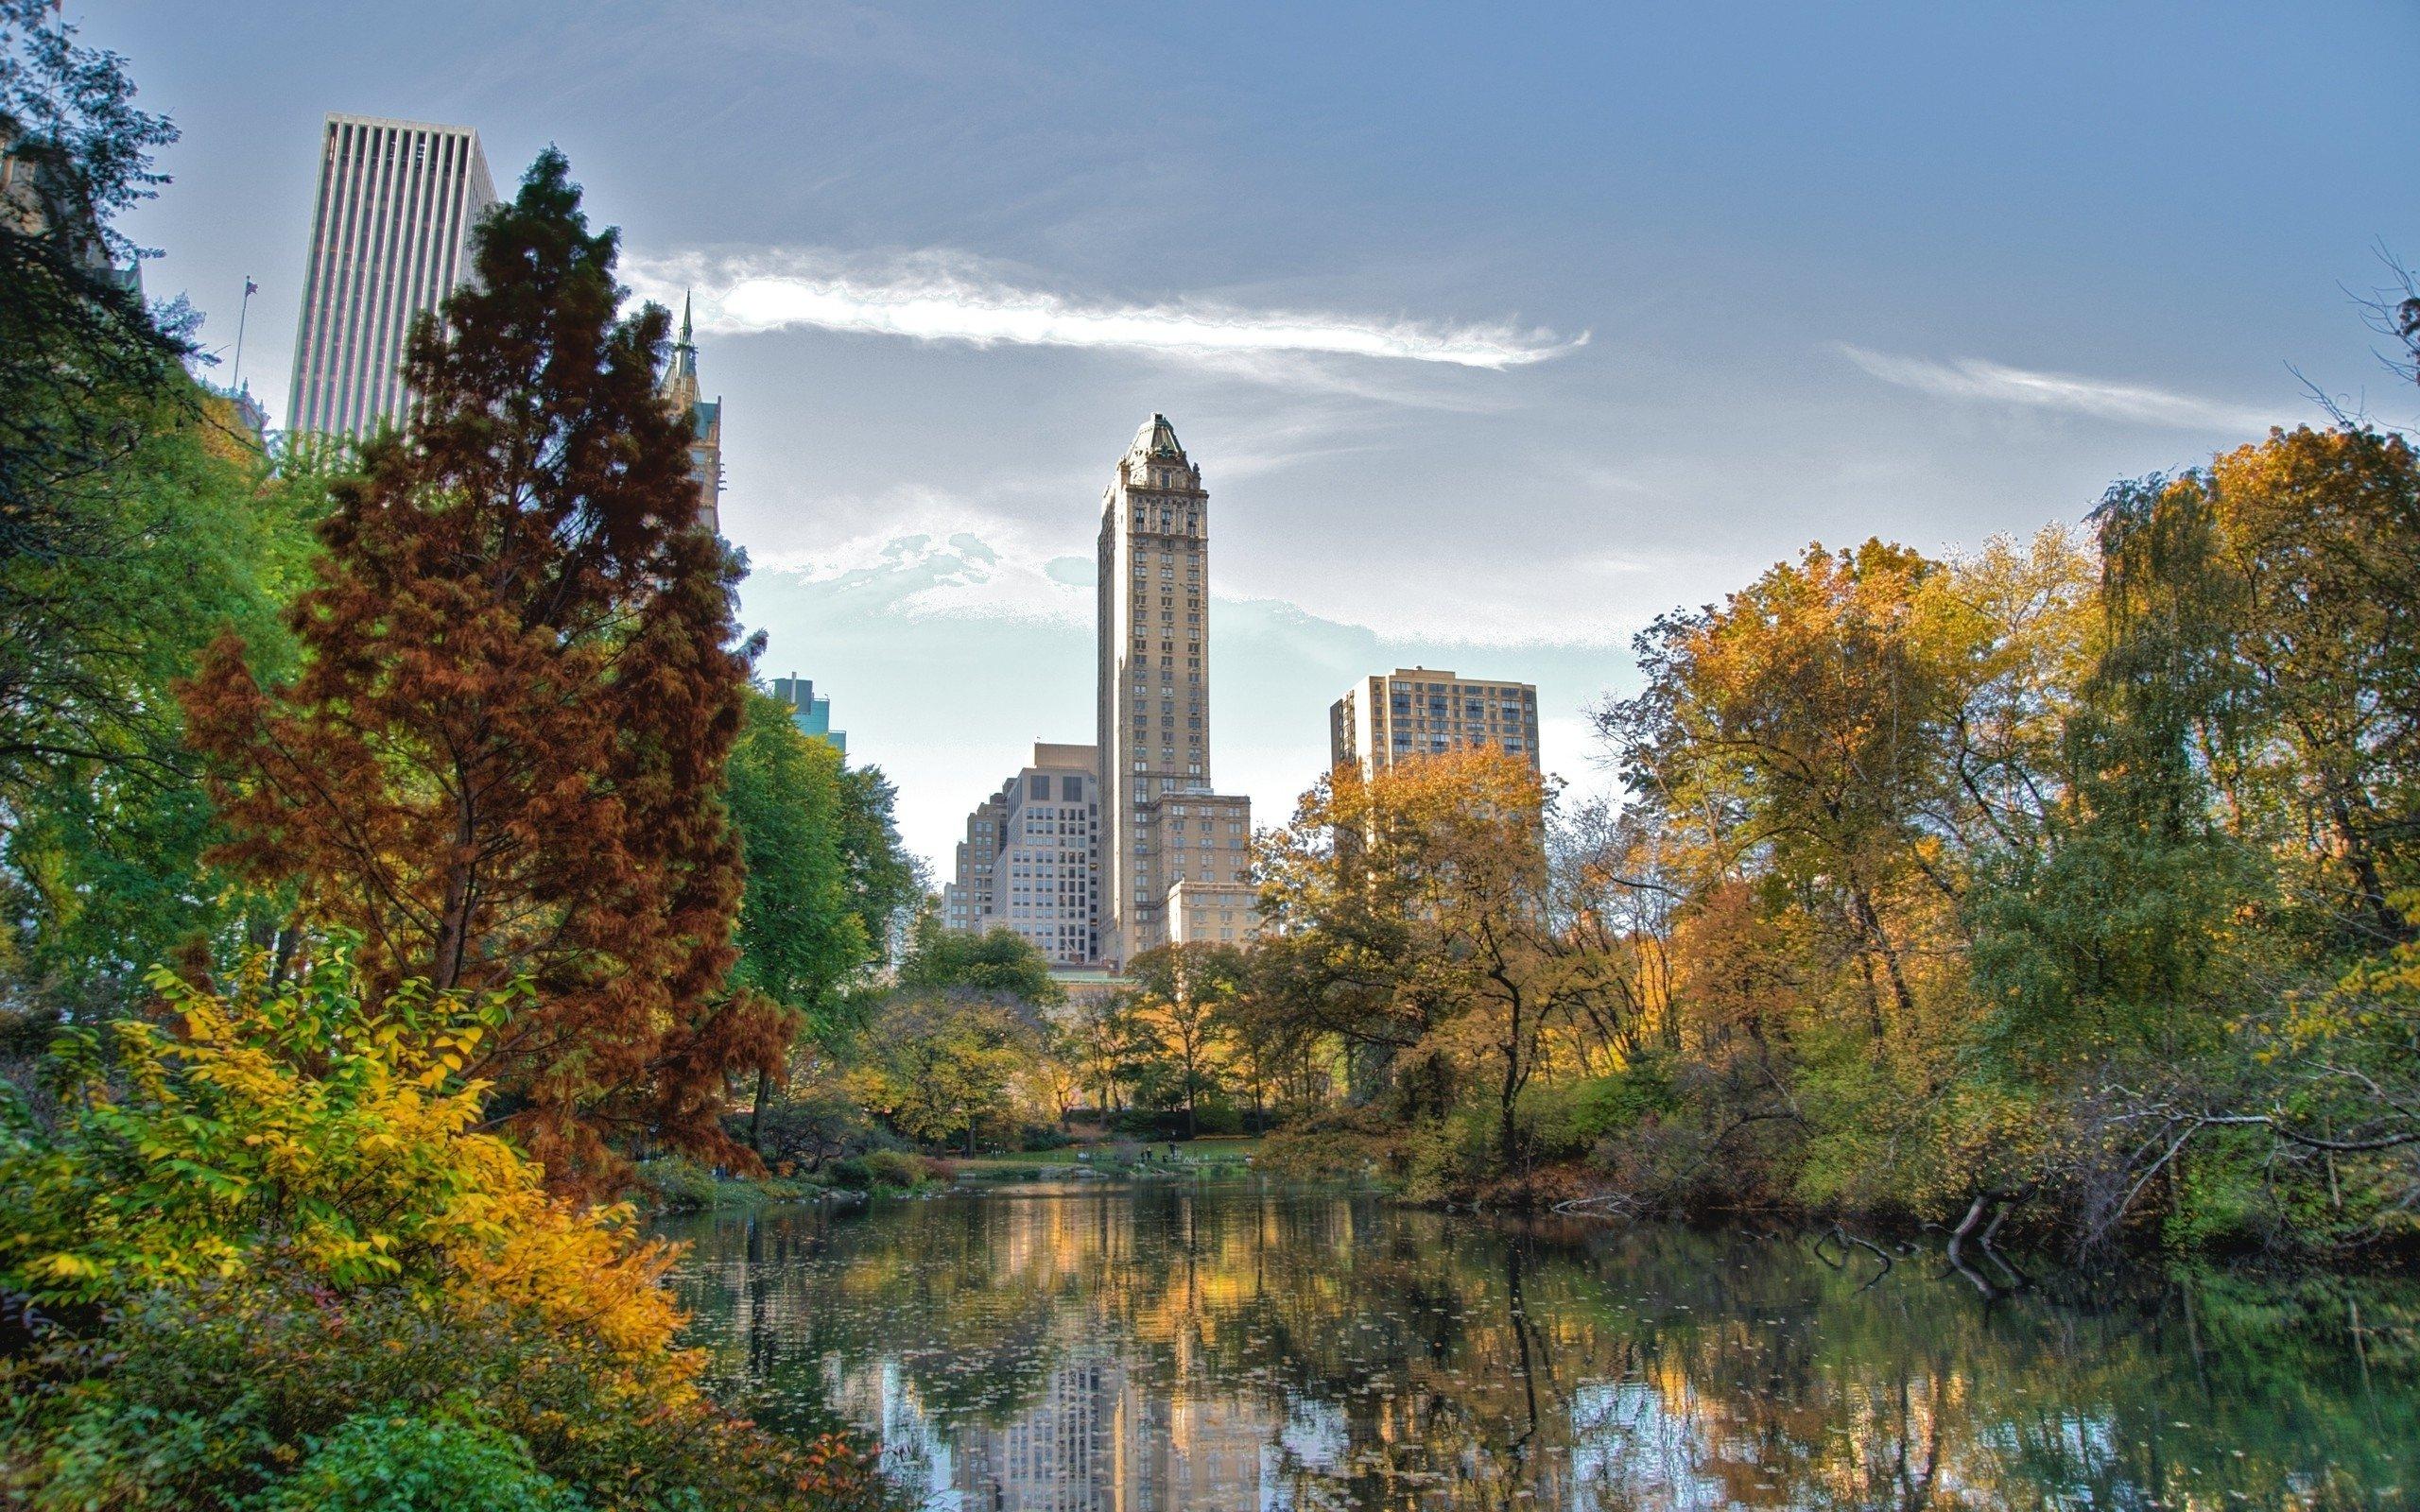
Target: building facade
{"type": "Point", "coordinates": [705, 424]}
{"type": "Point", "coordinates": [1030, 862]}
{"type": "Point", "coordinates": [390, 238]}
{"type": "Point", "coordinates": [966, 899]}
{"type": "Point", "coordinates": [813, 715]}
{"type": "Point", "coordinates": [1153, 654]}
{"type": "Point", "coordinates": [1383, 720]}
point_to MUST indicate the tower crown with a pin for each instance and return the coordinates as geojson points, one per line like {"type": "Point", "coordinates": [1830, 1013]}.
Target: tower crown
{"type": "Point", "coordinates": [1157, 457]}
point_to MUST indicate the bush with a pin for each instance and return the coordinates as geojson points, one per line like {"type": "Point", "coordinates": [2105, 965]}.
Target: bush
{"type": "Point", "coordinates": [1040, 1137]}
{"type": "Point", "coordinates": [898, 1168]}
{"type": "Point", "coordinates": [678, 1184]}
{"type": "Point", "coordinates": [398, 1461]}
{"type": "Point", "coordinates": [203, 1397]}
{"type": "Point", "coordinates": [1561, 1121]}
{"type": "Point", "coordinates": [282, 1219]}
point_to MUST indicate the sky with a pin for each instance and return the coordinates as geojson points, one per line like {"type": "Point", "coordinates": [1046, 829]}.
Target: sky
{"type": "Point", "coordinates": [1497, 332]}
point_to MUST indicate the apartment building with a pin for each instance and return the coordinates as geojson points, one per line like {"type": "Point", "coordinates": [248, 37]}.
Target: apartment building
{"type": "Point", "coordinates": [1413, 711]}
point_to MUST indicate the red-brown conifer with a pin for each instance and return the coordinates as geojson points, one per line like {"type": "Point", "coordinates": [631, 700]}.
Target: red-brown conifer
{"type": "Point", "coordinates": [504, 754]}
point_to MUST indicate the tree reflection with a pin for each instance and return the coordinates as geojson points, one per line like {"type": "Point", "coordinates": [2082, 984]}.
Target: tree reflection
{"type": "Point", "coordinates": [1085, 1347]}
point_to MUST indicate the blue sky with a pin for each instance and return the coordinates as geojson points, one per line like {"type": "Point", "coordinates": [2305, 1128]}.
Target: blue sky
{"type": "Point", "coordinates": [1497, 331]}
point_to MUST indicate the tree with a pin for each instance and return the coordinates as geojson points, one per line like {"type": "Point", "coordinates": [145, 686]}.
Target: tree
{"type": "Point", "coordinates": [942, 1065]}
{"type": "Point", "coordinates": [885, 881]}
{"type": "Point", "coordinates": [88, 378]}
{"type": "Point", "coordinates": [1804, 719]}
{"type": "Point", "coordinates": [1182, 1013]}
{"type": "Point", "coordinates": [2319, 535]}
{"type": "Point", "coordinates": [1419, 915]}
{"type": "Point", "coordinates": [504, 754]}
{"type": "Point", "coordinates": [802, 936]}
{"type": "Point", "coordinates": [1000, 962]}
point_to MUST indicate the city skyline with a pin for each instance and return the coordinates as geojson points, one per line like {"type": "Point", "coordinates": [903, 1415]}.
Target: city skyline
{"type": "Point", "coordinates": [1950, 311]}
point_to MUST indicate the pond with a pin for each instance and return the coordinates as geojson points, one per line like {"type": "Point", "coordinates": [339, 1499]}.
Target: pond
{"type": "Point", "coordinates": [1136, 1348]}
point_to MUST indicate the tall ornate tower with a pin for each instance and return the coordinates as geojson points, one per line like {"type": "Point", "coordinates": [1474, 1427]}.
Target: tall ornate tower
{"type": "Point", "coordinates": [680, 388]}
{"type": "Point", "coordinates": [1154, 692]}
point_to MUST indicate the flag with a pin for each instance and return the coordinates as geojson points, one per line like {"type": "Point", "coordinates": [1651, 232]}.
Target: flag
{"type": "Point", "coordinates": [250, 289]}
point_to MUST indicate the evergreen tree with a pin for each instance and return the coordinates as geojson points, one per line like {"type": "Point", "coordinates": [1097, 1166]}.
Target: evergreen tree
{"type": "Point", "coordinates": [503, 754]}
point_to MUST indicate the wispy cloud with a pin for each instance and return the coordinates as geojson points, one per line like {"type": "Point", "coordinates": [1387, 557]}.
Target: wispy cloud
{"type": "Point", "coordinates": [1977, 381]}
{"type": "Point", "coordinates": [941, 295]}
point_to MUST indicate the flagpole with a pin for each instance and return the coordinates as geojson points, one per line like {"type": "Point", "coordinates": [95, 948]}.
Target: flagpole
{"type": "Point", "coordinates": [235, 379]}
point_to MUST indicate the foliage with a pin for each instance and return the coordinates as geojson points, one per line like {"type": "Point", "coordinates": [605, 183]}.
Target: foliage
{"type": "Point", "coordinates": [944, 1067]}
{"type": "Point", "coordinates": [2020, 880]}
{"type": "Point", "coordinates": [799, 935]}
{"type": "Point", "coordinates": [87, 376]}
{"type": "Point", "coordinates": [1428, 928]}
{"type": "Point", "coordinates": [303, 1125]}
{"type": "Point", "coordinates": [104, 853]}
{"type": "Point", "coordinates": [504, 754]}
{"type": "Point", "coordinates": [1179, 1017]}
{"type": "Point", "coordinates": [290, 1193]}
{"type": "Point", "coordinates": [1000, 962]}
{"type": "Point", "coordinates": [389, 1460]}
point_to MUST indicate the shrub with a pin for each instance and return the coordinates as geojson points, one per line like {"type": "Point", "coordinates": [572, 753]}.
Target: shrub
{"type": "Point", "coordinates": [398, 1461]}
{"type": "Point", "coordinates": [678, 1184]}
{"type": "Point", "coordinates": [1035, 1138]}
{"type": "Point", "coordinates": [897, 1168]}
{"type": "Point", "coordinates": [282, 1220]}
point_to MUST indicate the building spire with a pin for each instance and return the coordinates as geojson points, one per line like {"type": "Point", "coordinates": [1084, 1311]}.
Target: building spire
{"type": "Point", "coordinates": [684, 319]}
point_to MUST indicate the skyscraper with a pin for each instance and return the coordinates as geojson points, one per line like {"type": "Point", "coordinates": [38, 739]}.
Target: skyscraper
{"type": "Point", "coordinates": [391, 239]}
{"type": "Point", "coordinates": [1154, 694]}
{"type": "Point", "coordinates": [705, 424]}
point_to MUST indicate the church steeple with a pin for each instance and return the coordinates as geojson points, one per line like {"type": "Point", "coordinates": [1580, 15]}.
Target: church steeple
{"type": "Point", "coordinates": [682, 372]}
{"type": "Point", "coordinates": [680, 389]}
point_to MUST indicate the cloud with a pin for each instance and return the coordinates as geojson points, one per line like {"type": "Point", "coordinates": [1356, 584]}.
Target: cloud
{"type": "Point", "coordinates": [1976, 380]}
{"type": "Point", "coordinates": [935, 557]}
{"type": "Point", "coordinates": [943, 296]}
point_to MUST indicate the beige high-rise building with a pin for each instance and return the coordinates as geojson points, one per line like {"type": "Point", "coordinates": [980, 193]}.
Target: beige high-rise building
{"type": "Point", "coordinates": [1030, 861]}
{"type": "Point", "coordinates": [390, 240]}
{"type": "Point", "coordinates": [1154, 692]}
{"type": "Point", "coordinates": [1419, 712]}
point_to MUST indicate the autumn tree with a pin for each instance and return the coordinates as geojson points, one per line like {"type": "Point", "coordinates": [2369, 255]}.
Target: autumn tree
{"type": "Point", "coordinates": [942, 1065]}
{"type": "Point", "coordinates": [1181, 1014]}
{"type": "Point", "coordinates": [1420, 915]}
{"type": "Point", "coordinates": [503, 756]}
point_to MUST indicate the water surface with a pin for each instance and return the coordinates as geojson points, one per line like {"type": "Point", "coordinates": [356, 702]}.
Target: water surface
{"type": "Point", "coordinates": [1137, 1349]}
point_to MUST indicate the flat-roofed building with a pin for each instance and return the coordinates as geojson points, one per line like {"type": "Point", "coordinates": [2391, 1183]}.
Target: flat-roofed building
{"type": "Point", "coordinates": [1412, 712]}
{"type": "Point", "coordinates": [390, 238]}
{"type": "Point", "coordinates": [1030, 862]}
{"type": "Point", "coordinates": [1207, 913]}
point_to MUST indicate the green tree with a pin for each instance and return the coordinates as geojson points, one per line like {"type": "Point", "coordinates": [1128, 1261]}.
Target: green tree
{"type": "Point", "coordinates": [943, 1065]}
{"type": "Point", "coordinates": [801, 936]}
{"type": "Point", "coordinates": [88, 376]}
{"type": "Point", "coordinates": [1000, 962]}
{"type": "Point", "coordinates": [1182, 1013]}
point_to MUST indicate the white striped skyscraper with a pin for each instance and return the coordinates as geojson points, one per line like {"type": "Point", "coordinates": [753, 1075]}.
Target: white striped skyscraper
{"type": "Point", "coordinates": [391, 239]}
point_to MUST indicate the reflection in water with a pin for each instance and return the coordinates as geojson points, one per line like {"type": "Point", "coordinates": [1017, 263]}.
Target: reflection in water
{"type": "Point", "coordinates": [1127, 1351]}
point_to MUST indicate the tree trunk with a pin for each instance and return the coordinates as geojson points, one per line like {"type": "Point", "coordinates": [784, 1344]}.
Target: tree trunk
{"type": "Point", "coordinates": [756, 1114]}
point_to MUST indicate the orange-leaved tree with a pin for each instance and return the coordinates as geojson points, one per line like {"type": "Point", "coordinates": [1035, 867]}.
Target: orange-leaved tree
{"type": "Point", "coordinates": [503, 757]}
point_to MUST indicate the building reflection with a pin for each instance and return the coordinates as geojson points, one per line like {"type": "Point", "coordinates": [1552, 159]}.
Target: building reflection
{"type": "Point", "coordinates": [1086, 1350]}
